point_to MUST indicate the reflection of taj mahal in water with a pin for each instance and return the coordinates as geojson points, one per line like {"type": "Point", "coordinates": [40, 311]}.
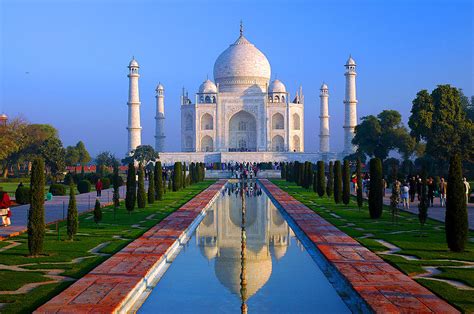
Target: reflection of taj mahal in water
{"type": "Point", "coordinates": [219, 238]}
{"type": "Point", "coordinates": [243, 111]}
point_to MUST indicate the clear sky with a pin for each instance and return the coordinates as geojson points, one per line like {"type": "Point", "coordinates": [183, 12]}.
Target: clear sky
{"type": "Point", "coordinates": [64, 62]}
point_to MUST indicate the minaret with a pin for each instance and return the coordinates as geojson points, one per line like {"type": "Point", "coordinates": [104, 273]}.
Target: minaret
{"type": "Point", "coordinates": [350, 103]}
{"type": "Point", "coordinates": [160, 119]}
{"type": "Point", "coordinates": [134, 128]}
{"type": "Point", "coordinates": [324, 120]}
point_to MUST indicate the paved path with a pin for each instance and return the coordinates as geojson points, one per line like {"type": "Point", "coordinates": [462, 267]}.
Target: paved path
{"type": "Point", "coordinates": [114, 285]}
{"type": "Point", "coordinates": [54, 210]}
{"type": "Point", "coordinates": [383, 287]}
{"type": "Point", "coordinates": [436, 212]}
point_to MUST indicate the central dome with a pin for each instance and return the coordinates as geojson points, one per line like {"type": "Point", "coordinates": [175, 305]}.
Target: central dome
{"type": "Point", "coordinates": [242, 64]}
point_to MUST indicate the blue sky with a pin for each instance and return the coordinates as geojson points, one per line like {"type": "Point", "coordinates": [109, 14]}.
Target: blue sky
{"type": "Point", "coordinates": [64, 62]}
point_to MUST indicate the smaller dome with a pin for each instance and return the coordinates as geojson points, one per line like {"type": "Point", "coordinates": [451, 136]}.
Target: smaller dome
{"type": "Point", "coordinates": [208, 87]}
{"type": "Point", "coordinates": [133, 63]}
{"type": "Point", "coordinates": [324, 86]}
{"type": "Point", "coordinates": [3, 116]}
{"type": "Point", "coordinates": [350, 61]}
{"type": "Point", "coordinates": [159, 87]}
{"type": "Point", "coordinates": [277, 87]}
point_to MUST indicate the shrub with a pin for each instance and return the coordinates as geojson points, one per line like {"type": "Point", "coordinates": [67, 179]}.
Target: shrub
{"type": "Point", "coordinates": [315, 182]}
{"type": "Point", "coordinates": [177, 176]}
{"type": "Point", "coordinates": [105, 183]}
{"type": "Point", "coordinates": [70, 178]}
{"type": "Point", "coordinates": [131, 196]}
{"type": "Point", "coordinates": [346, 182]}
{"type": "Point", "coordinates": [283, 170]}
{"type": "Point", "coordinates": [337, 182]}
{"type": "Point", "coordinates": [36, 226]}
{"type": "Point", "coordinates": [57, 189]}
{"type": "Point", "coordinates": [22, 195]}
{"type": "Point", "coordinates": [159, 191]}
{"type": "Point", "coordinates": [456, 223]}
{"type": "Point", "coordinates": [330, 185]}
{"type": "Point", "coordinates": [141, 194]}
{"type": "Point", "coordinates": [84, 186]}
{"type": "Point", "coordinates": [321, 179]}
{"type": "Point", "coordinates": [360, 199]}
{"type": "Point", "coordinates": [97, 212]}
{"type": "Point", "coordinates": [72, 219]}
{"type": "Point", "coordinates": [376, 189]}
{"type": "Point", "coordinates": [183, 178]}
{"type": "Point", "coordinates": [151, 188]}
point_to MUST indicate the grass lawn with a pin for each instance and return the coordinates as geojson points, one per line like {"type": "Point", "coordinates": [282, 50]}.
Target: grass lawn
{"type": "Point", "coordinates": [74, 259]}
{"type": "Point", "coordinates": [430, 249]}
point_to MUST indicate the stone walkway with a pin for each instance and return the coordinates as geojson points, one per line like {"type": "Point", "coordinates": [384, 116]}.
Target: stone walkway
{"type": "Point", "coordinates": [116, 283]}
{"type": "Point", "coordinates": [55, 210]}
{"type": "Point", "coordinates": [384, 288]}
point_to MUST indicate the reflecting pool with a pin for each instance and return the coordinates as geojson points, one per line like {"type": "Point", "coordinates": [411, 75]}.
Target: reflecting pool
{"type": "Point", "coordinates": [243, 261]}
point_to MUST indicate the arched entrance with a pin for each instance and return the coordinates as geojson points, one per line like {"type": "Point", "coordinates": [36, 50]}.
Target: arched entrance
{"type": "Point", "coordinates": [243, 132]}
{"type": "Point", "coordinates": [278, 144]}
{"type": "Point", "coordinates": [207, 144]}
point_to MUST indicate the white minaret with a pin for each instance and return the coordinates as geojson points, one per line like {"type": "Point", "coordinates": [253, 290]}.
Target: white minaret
{"type": "Point", "coordinates": [160, 119]}
{"type": "Point", "coordinates": [324, 120]}
{"type": "Point", "coordinates": [134, 128]}
{"type": "Point", "coordinates": [350, 103]}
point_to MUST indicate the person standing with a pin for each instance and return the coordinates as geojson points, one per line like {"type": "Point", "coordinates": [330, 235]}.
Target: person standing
{"type": "Point", "coordinates": [419, 186]}
{"type": "Point", "coordinates": [442, 192]}
{"type": "Point", "coordinates": [98, 188]}
{"type": "Point", "coordinates": [467, 188]}
{"type": "Point", "coordinates": [431, 190]}
{"type": "Point", "coordinates": [405, 201]}
{"type": "Point", "coordinates": [5, 211]}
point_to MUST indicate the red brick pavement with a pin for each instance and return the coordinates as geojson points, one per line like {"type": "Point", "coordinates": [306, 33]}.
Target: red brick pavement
{"type": "Point", "coordinates": [384, 288]}
{"type": "Point", "coordinates": [106, 288]}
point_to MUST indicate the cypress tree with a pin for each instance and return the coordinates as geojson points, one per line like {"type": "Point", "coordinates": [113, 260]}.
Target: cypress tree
{"type": "Point", "coordinates": [289, 167]}
{"type": "Point", "coordinates": [158, 176]}
{"type": "Point", "coordinates": [423, 204]}
{"type": "Point", "coordinates": [360, 199]}
{"type": "Point", "coordinates": [321, 179]}
{"type": "Point", "coordinates": [151, 187]}
{"type": "Point", "coordinates": [337, 182]}
{"type": "Point", "coordinates": [177, 176]}
{"type": "Point", "coordinates": [170, 183]}
{"type": "Point", "coordinates": [36, 227]}
{"type": "Point", "coordinates": [456, 221]}
{"type": "Point", "coordinates": [376, 188]}
{"type": "Point", "coordinates": [330, 185]}
{"type": "Point", "coordinates": [183, 182]}
{"type": "Point", "coordinates": [97, 212]}
{"type": "Point", "coordinates": [315, 182]}
{"type": "Point", "coordinates": [116, 185]}
{"type": "Point", "coordinates": [72, 220]}
{"type": "Point", "coordinates": [309, 176]}
{"type": "Point", "coordinates": [283, 170]}
{"type": "Point", "coordinates": [346, 183]}
{"type": "Point", "coordinates": [131, 196]}
{"type": "Point", "coordinates": [141, 194]}
{"type": "Point", "coordinates": [301, 174]}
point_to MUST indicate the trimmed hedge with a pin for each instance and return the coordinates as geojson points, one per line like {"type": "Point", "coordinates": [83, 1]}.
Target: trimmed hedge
{"type": "Point", "coordinates": [84, 186]}
{"type": "Point", "coordinates": [57, 189]}
{"type": "Point", "coordinates": [105, 183]}
{"type": "Point", "coordinates": [22, 195]}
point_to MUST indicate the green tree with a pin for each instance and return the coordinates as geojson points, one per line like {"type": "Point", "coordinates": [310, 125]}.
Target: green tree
{"type": "Point", "coordinates": [283, 170]}
{"type": "Point", "coordinates": [346, 182]}
{"type": "Point", "coordinates": [36, 226]}
{"type": "Point", "coordinates": [376, 188]}
{"type": "Point", "coordinates": [72, 219]}
{"type": "Point", "coordinates": [131, 196]}
{"type": "Point", "coordinates": [378, 136]}
{"type": "Point", "coordinates": [158, 181]}
{"type": "Point", "coordinates": [456, 221]}
{"type": "Point", "coordinates": [72, 156]}
{"type": "Point", "coordinates": [151, 188]}
{"type": "Point", "coordinates": [177, 176]}
{"type": "Point", "coordinates": [144, 154]}
{"type": "Point", "coordinates": [183, 180]}
{"type": "Point", "coordinates": [53, 154]}
{"type": "Point", "coordinates": [97, 212]}
{"type": "Point", "coordinates": [330, 183]}
{"type": "Point", "coordinates": [360, 199]}
{"type": "Point", "coordinates": [84, 156]}
{"type": "Point", "coordinates": [308, 174]}
{"type": "Point", "coordinates": [104, 160]}
{"type": "Point", "coordinates": [141, 194]}
{"type": "Point", "coordinates": [337, 182]}
{"type": "Point", "coordinates": [321, 178]}
{"type": "Point", "coordinates": [421, 116]}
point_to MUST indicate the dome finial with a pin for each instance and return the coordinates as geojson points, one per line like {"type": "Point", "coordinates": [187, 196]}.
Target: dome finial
{"type": "Point", "coordinates": [241, 28]}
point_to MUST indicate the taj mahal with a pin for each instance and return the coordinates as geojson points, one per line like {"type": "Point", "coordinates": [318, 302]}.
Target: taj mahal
{"type": "Point", "coordinates": [242, 115]}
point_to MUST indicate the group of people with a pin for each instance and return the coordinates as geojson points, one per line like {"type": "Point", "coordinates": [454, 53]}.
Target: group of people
{"type": "Point", "coordinates": [5, 211]}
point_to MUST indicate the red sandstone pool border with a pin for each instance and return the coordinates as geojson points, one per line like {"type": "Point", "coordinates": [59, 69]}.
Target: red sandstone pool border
{"type": "Point", "coordinates": [115, 284]}
{"type": "Point", "coordinates": [384, 288]}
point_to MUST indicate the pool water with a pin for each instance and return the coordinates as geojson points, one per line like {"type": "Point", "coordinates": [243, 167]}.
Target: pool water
{"type": "Point", "coordinates": [260, 268]}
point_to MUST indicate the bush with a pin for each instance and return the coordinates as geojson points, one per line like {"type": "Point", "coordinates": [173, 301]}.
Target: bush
{"type": "Point", "coordinates": [70, 178]}
{"type": "Point", "coordinates": [36, 225]}
{"type": "Point", "coordinates": [177, 176]}
{"type": "Point", "coordinates": [105, 183]}
{"type": "Point", "coordinates": [84, 186]}
{"type": "Point", "coordinates": [57, 189]}
{"type": "Point", "coordinates": [337, 182]}
{"type": "Point", "coordinates": [92, 177]}
{"type": "Point", "coordinates": [456, 223]}
{"type": "Point", "coordinates": [376, 189]}
{"type": "Point", "coordinates": [22, 195]}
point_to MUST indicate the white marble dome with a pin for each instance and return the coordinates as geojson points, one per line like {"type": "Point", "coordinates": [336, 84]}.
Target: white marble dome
{"type": "Point", "coordinates": [277, 87]}
{"type": "Point", "coordinates": [242, 62]}
{"type": "Point", "coordinates": [350, 61]}
{"type": "Point", "coordinates": [324, 86]}
{"type": "Point", "coordinates": [133, 63]}
{"type": "Point", "coordinates": [208, 87]}
{"type": "Point", "coordinates": [159, 87]}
